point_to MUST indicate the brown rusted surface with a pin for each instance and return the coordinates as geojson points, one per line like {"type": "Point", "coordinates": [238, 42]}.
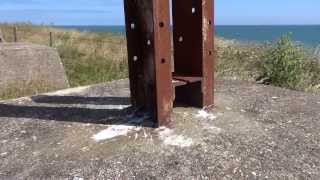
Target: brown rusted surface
{"type": "Point", "coordinates": [133, 32]}
{"type": "Point", "coordinates": [187, 37]}
{"type": "Point", "coordinates": [149, 54]}
{"type": "Point", "coordinates": [207, 52]}
{"type": "Point", "coordinates": [164, 87]}
{"type": "Point", "coordinates": [193, 50]}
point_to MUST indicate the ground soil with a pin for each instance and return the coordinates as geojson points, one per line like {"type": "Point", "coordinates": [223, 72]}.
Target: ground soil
{"type": "Point", "coordinates": [254, 132]}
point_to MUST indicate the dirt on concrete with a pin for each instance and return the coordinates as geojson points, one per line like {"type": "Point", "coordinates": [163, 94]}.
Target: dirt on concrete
{"type": "Point", "coordinates": [254, 132]}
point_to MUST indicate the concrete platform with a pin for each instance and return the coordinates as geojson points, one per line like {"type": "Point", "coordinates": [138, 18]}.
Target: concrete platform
{"type": "Point", "coordinates": [255, 132]}
{"type": "Point", "coordinates": [26, 64]}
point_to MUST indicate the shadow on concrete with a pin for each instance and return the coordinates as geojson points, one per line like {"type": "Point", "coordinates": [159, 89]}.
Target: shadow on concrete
{"type": "Point", "coordinates": [81, 100]}
{"type": "Point", "coordinates": [126, 116]}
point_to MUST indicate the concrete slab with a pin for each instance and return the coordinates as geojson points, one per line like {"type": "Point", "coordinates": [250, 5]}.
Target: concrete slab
{"type": "Point", "coordinates": [23, 64]}
{"type": "Point", "coordinates": [255, 132]}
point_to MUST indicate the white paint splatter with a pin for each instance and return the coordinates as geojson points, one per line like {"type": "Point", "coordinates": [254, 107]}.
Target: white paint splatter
{"type": "Point", "coordinates": [34, 138]}
{"type": "Point", "coordinates": [170, 138]}
{"type": "Point", "coordinates": [119, 130]}
{"type": "Point", "coordinates": [78, 178]}
{"type": "Point", "coordinates": [205, 115]}
{"type": "Point", "coordinates": [215, 130]}
{"type": "Point", "coordinates": [114, 131]}
{"type": "Point", "coordinates": [228, 108]}
{"type": "Point", "coordinates": [4, 154]}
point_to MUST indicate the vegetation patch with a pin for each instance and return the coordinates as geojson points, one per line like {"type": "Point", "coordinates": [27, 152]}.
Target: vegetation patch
{"type": "Point", "coordinates": [283, 63]}
{"type": "Point", "coordinates": [91, 58]}
{"type": "Point", "coordinates": [288, 65]}
{"type": "Point", "coordinates": [21, 89]}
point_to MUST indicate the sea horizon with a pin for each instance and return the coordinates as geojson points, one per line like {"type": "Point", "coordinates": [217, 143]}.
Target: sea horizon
{"type": "Point", "coordinates": [308, 35]}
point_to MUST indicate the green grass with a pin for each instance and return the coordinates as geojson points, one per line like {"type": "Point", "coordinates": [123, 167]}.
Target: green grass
{"type": "Point", "coordinates": [84, 69]}
{"type": "Point", "coordinates": [288, 65]}
{"type": "Point", "coordinates": [282, 63]}
{"type": "Point", "coordinates": [91, 58]}
{"type": "Point", "coordinates": [23, 89]}
{"type": "Point", "coordinates": [88, 58]}
{"type": "Point", "coordinates": [238, 60]}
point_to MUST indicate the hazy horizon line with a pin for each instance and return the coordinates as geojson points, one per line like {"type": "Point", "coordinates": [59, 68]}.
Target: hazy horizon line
{"type": "Point", "coordinates": [215, 25]}
{"type": "Point", "coordinates": [52, 24]}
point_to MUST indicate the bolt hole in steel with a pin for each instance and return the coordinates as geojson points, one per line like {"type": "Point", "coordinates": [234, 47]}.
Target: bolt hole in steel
{"type": "Point", "coordinates": [210, 22]}
{"type": "Point", "coordinates": [180, 39]}
{"type": "Point", "coordinates": [133, 26]}
{"type": "Point", "coordinates": [161, 24]}
{"type": "Point", "coordinates": [163, 60]}
{"type": "Point", "coordinates": [193, 10]}
{"type": "Point", "coordinates": [210, 53]}
{"type": "Point", "coordinates": [135, 58]}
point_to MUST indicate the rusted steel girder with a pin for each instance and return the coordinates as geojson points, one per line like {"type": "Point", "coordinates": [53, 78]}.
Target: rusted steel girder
{"type": "Point", "coordinates": [193, 50]}
{"type": "Point", "coordinates": [149, 55]}
{"type": "Point", "coordinates": [154, 85]}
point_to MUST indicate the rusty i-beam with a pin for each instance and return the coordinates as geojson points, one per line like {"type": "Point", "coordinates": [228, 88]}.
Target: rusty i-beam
{"type": "Point", "coordinates": [166, 69]}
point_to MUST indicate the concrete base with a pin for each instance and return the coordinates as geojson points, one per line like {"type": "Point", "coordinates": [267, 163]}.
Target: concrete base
{"type": "Point", "coordinates": [25, 63]}
{"type": "Point", "coordinates": [255, 132]}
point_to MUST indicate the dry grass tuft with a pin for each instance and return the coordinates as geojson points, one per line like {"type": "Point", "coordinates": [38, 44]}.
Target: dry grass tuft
{"type": "Point", "coordinates": [91, 58]}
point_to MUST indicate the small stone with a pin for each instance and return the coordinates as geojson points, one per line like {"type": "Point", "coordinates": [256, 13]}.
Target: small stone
{"type": "Point", "coordinates": [78, 178]}
{"type": "Point", "coordinates": [4, 154]}
{"type": "Point", "coordinates": [34, 138]}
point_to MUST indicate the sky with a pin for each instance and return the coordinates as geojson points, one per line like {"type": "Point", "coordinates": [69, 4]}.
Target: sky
{"type": "Point", "coordinates": [110, 12]}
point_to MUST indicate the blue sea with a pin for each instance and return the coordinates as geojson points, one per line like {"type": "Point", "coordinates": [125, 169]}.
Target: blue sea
{"type": "Point", "coordinates": [308, 35]}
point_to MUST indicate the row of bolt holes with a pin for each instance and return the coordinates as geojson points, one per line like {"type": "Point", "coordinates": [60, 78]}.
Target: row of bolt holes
{"type": "Point", "coordinates": [161, 24]}
{"type": "Point", "coordinates": [135, 58]}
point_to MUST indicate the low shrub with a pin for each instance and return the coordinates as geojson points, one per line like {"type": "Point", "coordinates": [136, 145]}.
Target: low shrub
{"type": "Point", "coordinates": [289, 65]}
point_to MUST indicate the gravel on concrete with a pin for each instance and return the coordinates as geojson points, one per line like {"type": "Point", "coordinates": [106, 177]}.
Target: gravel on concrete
{"type": "Point", "coordinates": [254, 132]}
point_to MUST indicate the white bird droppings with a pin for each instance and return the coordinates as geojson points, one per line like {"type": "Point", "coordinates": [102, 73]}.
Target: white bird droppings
{"type": "Point", "coordinates": [215, 130]}
{"type": "Point", "coordinates": [114, 131]}
{"type": "Point", "coordinates": [4, 154]}
{"type": "Point", "coordinates": [119, 130]}
{"type": "Point", "coordinates": [170, 138]}
{"type": "Point", "coordinates": [205, 115]}
{"type": "Point", "coordinates": [228, 108]}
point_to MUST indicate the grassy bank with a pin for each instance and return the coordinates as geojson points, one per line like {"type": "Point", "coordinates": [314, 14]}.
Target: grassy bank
{"type": "Point", "coordinates": [88, 58]}
{"type": "Point", "coordinates": [282, 63]}
{"type": "Point", "coordinates": [91, 58]}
